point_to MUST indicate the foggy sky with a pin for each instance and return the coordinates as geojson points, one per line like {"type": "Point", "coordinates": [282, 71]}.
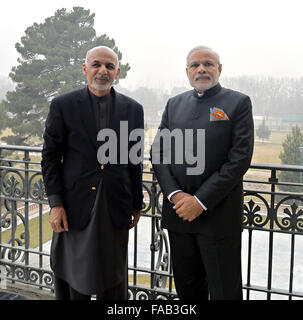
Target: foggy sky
{"type": "Point", "coordinates": [252, 37]}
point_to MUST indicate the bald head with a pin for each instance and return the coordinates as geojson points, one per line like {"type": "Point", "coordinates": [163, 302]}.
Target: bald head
{"type": "Point", "coordinates": [101, 68]}
{"type": "Point", "coordinates": [101, 50]}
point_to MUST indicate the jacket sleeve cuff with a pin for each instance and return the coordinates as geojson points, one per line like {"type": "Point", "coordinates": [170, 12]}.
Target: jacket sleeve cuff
{"type": "Point", "coordinates": [55, 200]}
{"type": "Point", "coordinates": [171, 194]}
{"type": "Point", "coordinates": [138, 204]}
{"type": "Point", "coordinates": [201, 204]}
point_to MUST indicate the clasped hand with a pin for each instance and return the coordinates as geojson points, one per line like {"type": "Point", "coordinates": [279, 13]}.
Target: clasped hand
{"type": "Point", "coordinates": [187, 207]}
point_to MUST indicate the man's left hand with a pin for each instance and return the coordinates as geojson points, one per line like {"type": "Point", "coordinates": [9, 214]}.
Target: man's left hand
{"type": "Point", "coordinates": [188, 208]}
{"type": "Point", "coordinates": [136, 216]}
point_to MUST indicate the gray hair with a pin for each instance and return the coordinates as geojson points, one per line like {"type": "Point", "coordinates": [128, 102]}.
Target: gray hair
{"type": "Point", "coordinates": [197, 48]}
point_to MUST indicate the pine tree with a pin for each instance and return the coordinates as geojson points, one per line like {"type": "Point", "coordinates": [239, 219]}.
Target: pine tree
{"type": "Point", "coordinates": [263, 131]}
{"type": "Point", "coordinates": [51, 60]}
{"type": "Point", "coordinates": [291, 155]}
{"type": "Point", "coordinates": [3, 118]}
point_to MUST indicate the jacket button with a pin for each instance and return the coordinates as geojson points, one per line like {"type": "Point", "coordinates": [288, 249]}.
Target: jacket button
{"type": "Point", "coordinates": [102, 167]}
{"type": "Point", "coordinates": [94, 188]}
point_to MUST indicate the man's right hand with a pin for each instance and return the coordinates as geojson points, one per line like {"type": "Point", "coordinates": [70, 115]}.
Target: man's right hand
{"type": "Point", "coordinates": [57, 219]}
{"type": "Point", "coordinates": [178, 196]}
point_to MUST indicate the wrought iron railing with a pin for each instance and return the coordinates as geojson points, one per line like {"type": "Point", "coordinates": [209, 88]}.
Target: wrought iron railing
{"type": "Point", "coordinates": [272, 238]}
{"type": "Point", "coordinates": [276, 218]}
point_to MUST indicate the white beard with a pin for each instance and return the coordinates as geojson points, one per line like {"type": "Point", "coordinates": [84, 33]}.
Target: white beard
{"type": "Point", "coordinates": [201, 87]}
{"type": "Point", "coordinates": [101, 87]}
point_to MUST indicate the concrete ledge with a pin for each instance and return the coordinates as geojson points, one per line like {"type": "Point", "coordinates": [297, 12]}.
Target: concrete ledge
{"type": "Point", "coordinates": [26, 292]}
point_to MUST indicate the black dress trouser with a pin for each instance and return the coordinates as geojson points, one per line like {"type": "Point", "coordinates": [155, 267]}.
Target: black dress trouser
{"type": "Point", "coordinates": [63, 291]}
{"type": "Point", "coordinates": [205, 266]}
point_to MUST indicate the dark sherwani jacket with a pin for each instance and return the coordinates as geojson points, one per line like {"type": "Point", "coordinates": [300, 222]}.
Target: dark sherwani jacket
{"type": "Point", "coordinates": [228, 152]}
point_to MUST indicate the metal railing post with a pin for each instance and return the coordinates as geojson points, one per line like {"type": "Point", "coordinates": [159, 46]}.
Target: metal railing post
{"type": "Point", "coordinates": [273, 180]}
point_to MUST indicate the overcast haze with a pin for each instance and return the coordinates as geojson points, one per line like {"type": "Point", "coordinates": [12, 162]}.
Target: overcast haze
{"type": "Point", "coordinates": [252, 37]}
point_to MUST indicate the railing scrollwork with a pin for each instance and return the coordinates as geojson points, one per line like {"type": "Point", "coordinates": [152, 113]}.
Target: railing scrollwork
{"type": "Point", "coordinates": [266, 209]}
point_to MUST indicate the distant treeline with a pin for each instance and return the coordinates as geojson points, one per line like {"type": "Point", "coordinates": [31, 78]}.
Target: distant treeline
{"type": "Point", "coordinates": [270, 96]}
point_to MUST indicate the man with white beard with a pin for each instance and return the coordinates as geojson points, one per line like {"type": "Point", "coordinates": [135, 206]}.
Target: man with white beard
{"type": "Point", "coordinates": [203, 211]}
{"type": "Point", "coordinates": [93, 204]}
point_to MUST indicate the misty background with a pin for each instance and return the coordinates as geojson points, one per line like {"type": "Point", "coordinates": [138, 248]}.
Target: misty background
{"type": "Point", "coordinates": [261, 50]}
{"type": "Point", "coordinates": [252, 37]}
{"type": "Point", "coordinates": [258, 42]}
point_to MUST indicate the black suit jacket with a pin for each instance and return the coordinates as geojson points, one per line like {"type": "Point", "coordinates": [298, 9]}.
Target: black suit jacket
{"type": "Point", "coordinates": [69, 159]}
{"type": "Point", "coordinates": [228, 152]}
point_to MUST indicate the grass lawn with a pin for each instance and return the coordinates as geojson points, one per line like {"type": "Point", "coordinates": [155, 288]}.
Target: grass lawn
{"type": "Point", "coordinates": [266, 153]}
{"type": "Point", "coordinates": [33, 231]}
{"type": "Point", "coordinates": [145, 280]}
{"type": "Point", "coordinates": [6, 132]}
{"type": "Point", "coordinates": [269, 150]}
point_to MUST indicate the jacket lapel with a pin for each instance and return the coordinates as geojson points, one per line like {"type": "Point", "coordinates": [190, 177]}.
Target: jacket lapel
{"type": "Point", "coordinates": [119, 111]}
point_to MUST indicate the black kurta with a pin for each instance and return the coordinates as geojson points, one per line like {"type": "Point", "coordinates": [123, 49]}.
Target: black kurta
{"type": "Point", "coordinates": [95, 258]}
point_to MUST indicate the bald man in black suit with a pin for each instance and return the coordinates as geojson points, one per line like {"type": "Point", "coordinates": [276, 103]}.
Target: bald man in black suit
{"type": "Point", "coordinates": [93, 204]}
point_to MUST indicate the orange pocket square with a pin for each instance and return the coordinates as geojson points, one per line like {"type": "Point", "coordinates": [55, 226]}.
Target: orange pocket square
{"type": "Point", "coordinates": [217, 114]}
